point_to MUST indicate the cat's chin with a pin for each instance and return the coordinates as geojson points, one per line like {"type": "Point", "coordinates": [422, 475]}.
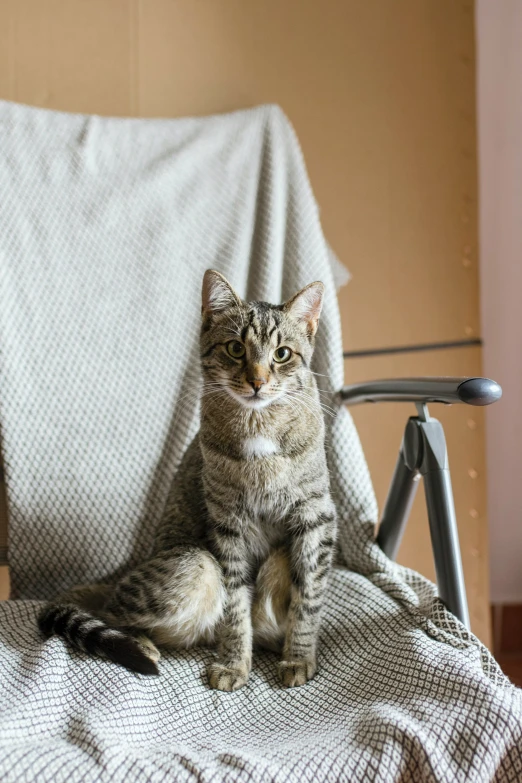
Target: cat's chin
{"type": "Point", "coordinates": [252, 402]}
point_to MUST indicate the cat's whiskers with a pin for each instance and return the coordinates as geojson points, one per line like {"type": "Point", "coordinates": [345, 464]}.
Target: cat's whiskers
{"type": "Point", "coordinates": [321, 374]}
{"type": "Point", "coordinates": [293, 405]}
{"type": "Point", "coordinates": [192, 395]}
{"type": "Point", "coordinates": [327, 408]}
{"type": "Point", "coordinates": [191, 399]}
{"type": "Point", "coordinates": [314, 401]}
{"type": "Point", "coordinates": [325, 391]}
{"type": "Point", "coordinates": [293, 394]}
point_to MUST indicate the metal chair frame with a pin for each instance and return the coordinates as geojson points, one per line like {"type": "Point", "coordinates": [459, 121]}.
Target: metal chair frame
{"type": "Point", "coordinates": [423, 454]}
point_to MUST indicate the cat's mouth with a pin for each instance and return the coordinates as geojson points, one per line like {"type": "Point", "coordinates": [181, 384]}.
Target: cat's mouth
{"type": "Point", "coordinates": [253, 400]}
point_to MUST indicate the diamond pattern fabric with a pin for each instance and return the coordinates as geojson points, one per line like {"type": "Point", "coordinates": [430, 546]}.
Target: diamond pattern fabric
{"type": "Point", "coordinates": [106, 228]}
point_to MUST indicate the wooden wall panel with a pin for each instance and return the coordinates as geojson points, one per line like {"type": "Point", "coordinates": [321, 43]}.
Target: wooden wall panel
{"type": "Point", "coordinates": [382, 97]}
{"type": "Point", "coordinates": [71, 56]}
{"type": "Point", "coordinates": [6, 58]}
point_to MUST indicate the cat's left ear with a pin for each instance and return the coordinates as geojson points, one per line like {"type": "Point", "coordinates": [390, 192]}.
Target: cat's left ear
{"type": "Point", "coordinates": [306, 305]}
{"type": "Point", "coordinates": [217, 293]}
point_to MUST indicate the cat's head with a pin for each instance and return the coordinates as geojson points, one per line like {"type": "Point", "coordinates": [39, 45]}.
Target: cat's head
{"type": "Point", "coordinates": [257, 352]}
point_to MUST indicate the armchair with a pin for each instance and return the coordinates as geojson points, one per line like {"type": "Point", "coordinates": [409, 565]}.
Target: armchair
{"type": "Point", "coordinates": [104, 242]}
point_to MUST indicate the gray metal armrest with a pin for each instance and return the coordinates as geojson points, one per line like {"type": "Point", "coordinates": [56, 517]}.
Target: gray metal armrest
{"type": "Point", "coordinates": [474, 391]}
{"type": "Point", "coordinates": [423, 454]}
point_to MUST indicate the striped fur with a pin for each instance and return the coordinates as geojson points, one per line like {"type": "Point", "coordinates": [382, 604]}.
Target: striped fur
{"type": "Point", "coordinates": [90, 635]}
{"type": "Point", "coordinates": [244, 551]}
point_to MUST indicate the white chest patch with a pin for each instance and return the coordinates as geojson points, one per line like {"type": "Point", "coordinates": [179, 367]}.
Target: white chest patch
{"type": "Point", "coordinates": [259, 447]}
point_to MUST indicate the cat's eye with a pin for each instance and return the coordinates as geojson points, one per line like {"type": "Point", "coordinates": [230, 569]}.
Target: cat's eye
{"type": "Point", "coordinates": [282, 354]}
{"type": "Point", "coordinates": [236, 349]}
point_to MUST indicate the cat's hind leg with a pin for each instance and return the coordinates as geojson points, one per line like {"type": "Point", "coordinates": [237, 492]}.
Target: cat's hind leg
{"type": "Point", "coordinates": [91, 597]}
{"type": "Point", "coordinates": [176, 598]}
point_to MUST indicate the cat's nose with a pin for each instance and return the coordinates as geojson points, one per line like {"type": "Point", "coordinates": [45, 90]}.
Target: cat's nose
{"type": "Point", "coordinates": [256, 383]}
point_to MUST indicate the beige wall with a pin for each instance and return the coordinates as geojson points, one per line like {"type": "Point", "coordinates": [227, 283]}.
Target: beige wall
{"type": "Point", "coordinates": [382, 97]}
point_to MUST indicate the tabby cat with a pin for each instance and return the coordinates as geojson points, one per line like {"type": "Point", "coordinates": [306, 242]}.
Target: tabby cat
{"type": "Point", "coordinates": [243, 554]}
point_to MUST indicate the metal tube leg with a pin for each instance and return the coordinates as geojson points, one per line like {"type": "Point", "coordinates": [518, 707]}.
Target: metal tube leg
{"type": "Point", "coordinates": [443, 524]}
{"type": "Point", "coordinates": [401, 494]}
{"type": "Point", "coordinates": [423, 453]}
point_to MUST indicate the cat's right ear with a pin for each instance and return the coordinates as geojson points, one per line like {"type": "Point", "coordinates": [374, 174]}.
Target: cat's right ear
{"type": "Point", "coordinates": [217, 293]}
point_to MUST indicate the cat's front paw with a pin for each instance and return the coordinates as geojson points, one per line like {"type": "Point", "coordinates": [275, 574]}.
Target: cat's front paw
{"type": "Point", "coordinates": [295, 673]}
{"type": "Point", "coordinates": [227, 678]}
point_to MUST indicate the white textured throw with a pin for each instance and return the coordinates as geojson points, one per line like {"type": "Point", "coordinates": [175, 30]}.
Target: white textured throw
{"type": "Point", "coordinates": [106, 227]}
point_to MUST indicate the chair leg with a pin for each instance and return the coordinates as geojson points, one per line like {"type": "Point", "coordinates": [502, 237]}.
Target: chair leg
{"type": "Point", "coordinates": [423, 453]}
{"type": "Point", "coordinates": [434, 469]}
{"type": "Point", "coordinates": [398, 505]}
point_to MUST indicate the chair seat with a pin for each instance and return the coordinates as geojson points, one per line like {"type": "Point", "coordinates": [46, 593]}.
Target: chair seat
{"type": "Point", "coordinates": [389, 702]}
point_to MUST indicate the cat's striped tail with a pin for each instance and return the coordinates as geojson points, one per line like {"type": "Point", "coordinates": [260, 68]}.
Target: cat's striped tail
{"type": "Point", "coordinates": [89, 634]}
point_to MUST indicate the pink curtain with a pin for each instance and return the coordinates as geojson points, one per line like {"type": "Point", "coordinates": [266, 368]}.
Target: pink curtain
{"type": "Point", "coordinates": [499, 71]}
